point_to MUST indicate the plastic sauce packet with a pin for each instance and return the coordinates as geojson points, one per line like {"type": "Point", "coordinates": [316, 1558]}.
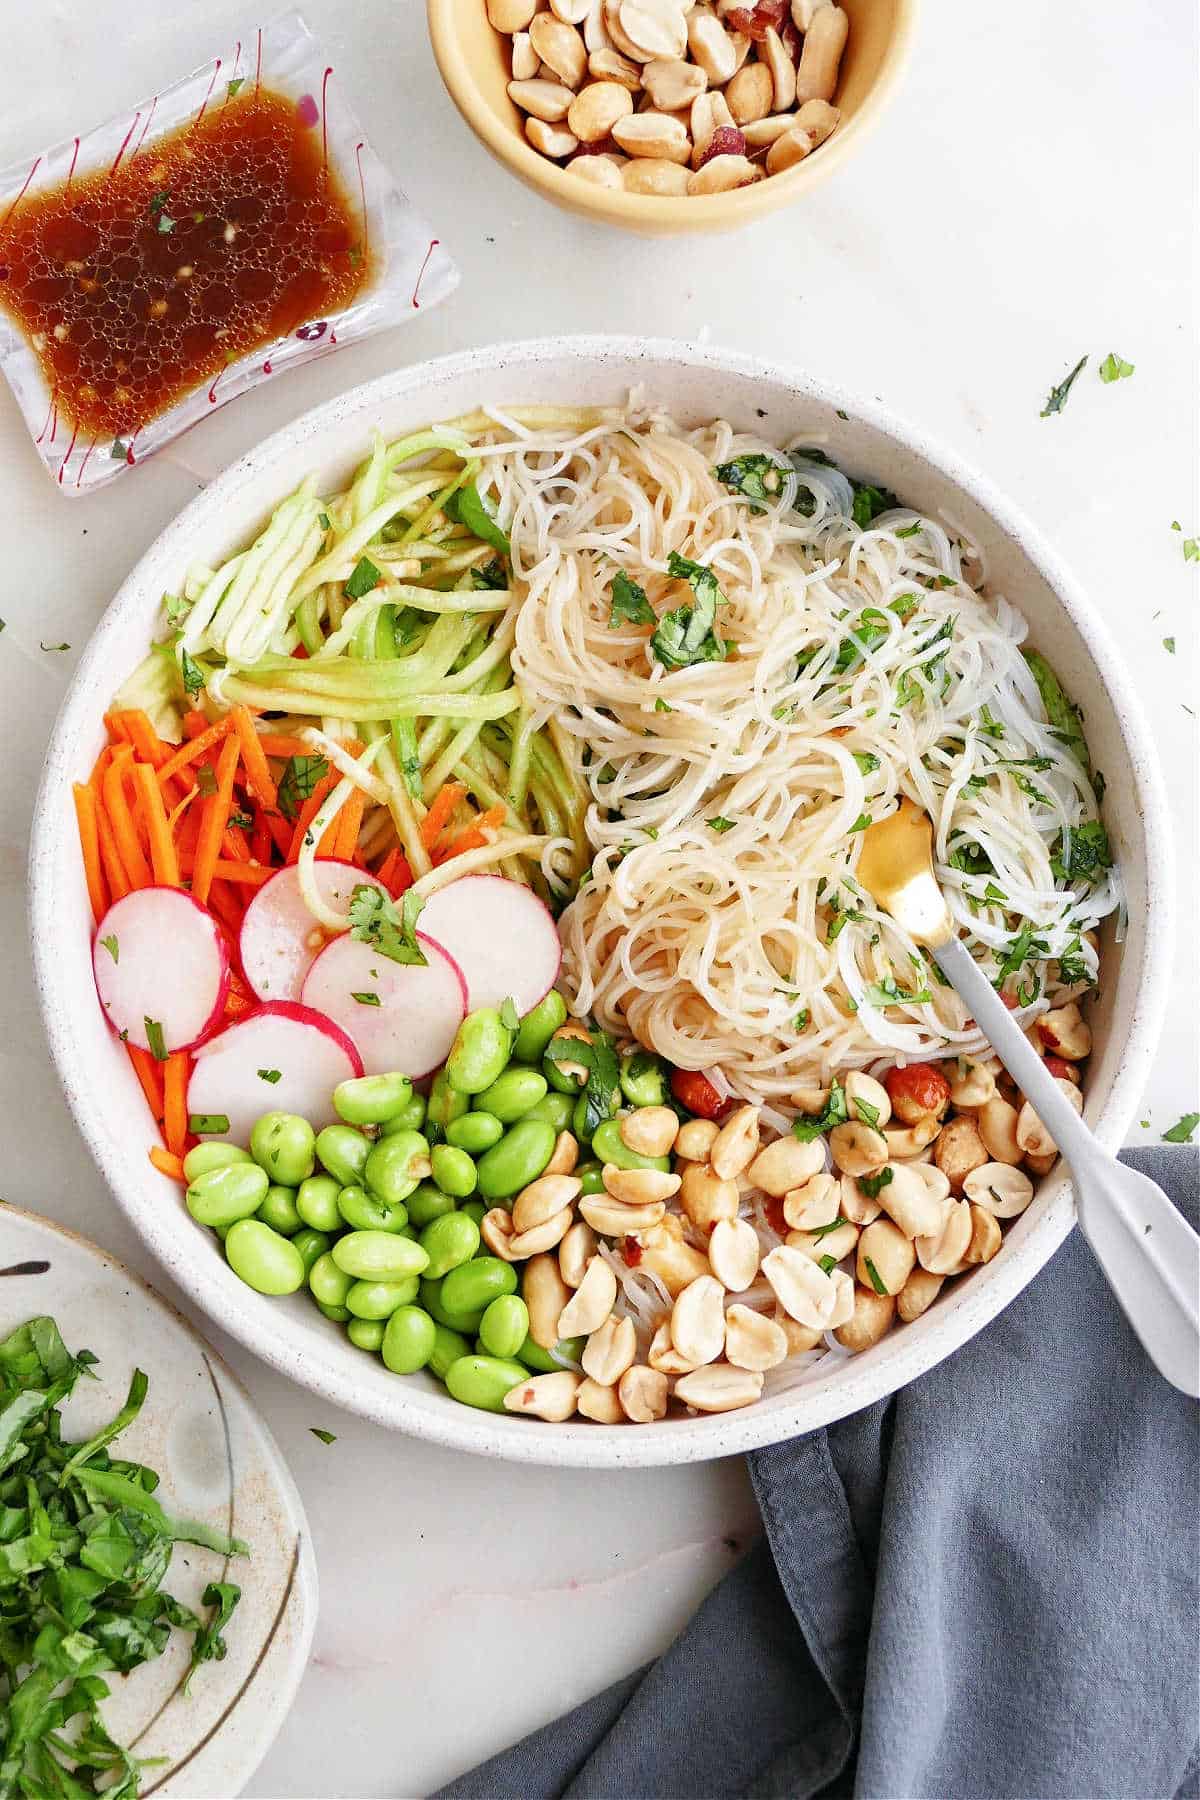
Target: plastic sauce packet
{"type": "Point", "coordinates": [404, 267]}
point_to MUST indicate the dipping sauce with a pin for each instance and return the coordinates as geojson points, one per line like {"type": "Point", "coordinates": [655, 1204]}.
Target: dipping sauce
{"type": "Point", "coordinates": [136, 285]}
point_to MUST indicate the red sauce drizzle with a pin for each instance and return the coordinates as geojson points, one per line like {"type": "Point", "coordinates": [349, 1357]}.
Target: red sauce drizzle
{"type": "Point", "coordinates": [138, 284]}
{"type": "Point", "coordinates": [631, 1250]}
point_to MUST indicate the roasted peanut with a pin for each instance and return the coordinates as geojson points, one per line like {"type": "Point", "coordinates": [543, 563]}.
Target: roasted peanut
{"type": "Point", "coordinates": [705, 1198]}
{"type": "Point", "coordinates": [1041, 1165]}
{"type": "Point", "coordinates": [816, 1202]}
{"type": "Point", "coordinates": [733, 1252]}
{"type": "Point", "coordinates": [542, 1200]}
{"type": "Point", "coordinates": [540, 1237]}
{"type": "Point", "coordinates": [985, 1237]}
{"type": "Point", "coordinates": [610, 65]}
{"type": "Point", "coordinates": [910, 1204]}
{"type": "Point", "coordinates": [752, 1341]}
{"type": "Point", "coordinates": [719, 1388]}
{"type": "Point", "coordinates": [750, 93]}
{"type": "Point", "coordinates": [871, 1320]}
{"type": "Point", "coordinates": [819, 1244]}
{"type": "Point", "coordinates": [591, 115]}
{"type": "Point", "coordinates": [698, 1321]}
{"type": "Point", "coordinates": [651, 175]}
{"type": "Point", "coordinates": [651, 1130]}
{"type": "Point", "coordinates": [546, 100]}
{"type": "Point", "coordinates": [643, 1394]}
{"type": "Point", "coordinates": [511, 15]}
{"type": "Point", "coordinates": [867, 1099]}
{"type": "Point", "coordinates": [1065, 1032]}
{"type": "Point", "coordinates": [612, 1218]}
{"type": "Point", "coordinates": [550, 1397]}
{"type": "Point", "coordinates": [667, 1254]}
{"type": "Point", "coordinates": [1032, 1135]}
{"type": "Point", "coordinates": [824, 41]}
{"type": "Point", "coordinates": [805, 1291]}
{"type": "Point", "coordinates": [712, 48]}
{"type": "Point", "coordinates": [906, 1142]}
{"type": "Point", "coordinates": [566, 1155]}
{"type": "Point", "coordinates": [656, 28]}
{"type": "Point", "coordinates": [996, 1122]}
{"type": "Point", "coordinates": [943, 1254]}
{"type": "Point", "coordinates": [958, 1150]}
{"type": "Point", "coordinates": [672, 84]}
{"type": "Point", "coordinates": [775, 57]}
{"type": "Point", "coordinates": [696, 1138]}
{"type": "Point", "coordinates": [591, 1303]}
{"type": "Point", "coordinates": [656, 135]}
{"type": "Point", "coordinates": [736, 1142]}
{"type": "Point", "coordinates": [918, 1294]}
{"type": "Point", "coordinates": [611, 1349]}
{"type": "Point", "coordinates": [760, 134]}
{"type": "Point", "coordinates": [574, 1252]}
{"type": "Point", "coordinates": [560, 47]}
{"type": "Point", "coordinates": [495, 1228]}
{"type": "Point", "coordinates": [885, 1257]}
{"type": "Point", "coordinates": [857, 1149]}
{"type": "Point", "coordinates": [856, 1206]}
{"type": "Point", "coordinates": [599, 1403]}
{"type": "Point", "coordinates": [639, 1187]}
{"type": "Point", "coordinates": [999, 1189]}
{"type": "Point", "coordinates": [786, 1164]}
{"type": "Point", "coordinates": [662, 1354]}
{"type": "Point", "coordinates": [545, 1294]}
{"type": "Point", "coordinates": [799, 1337]}
{"type": "Point", "coordinates": [571, 12]}
{"type": "Point", "coordinates": [601, 171]}
{"type": "Point", "coordinates": [819, 120]}
{"type": "Point", "coordinates": [803, 10]}
{"type": "Point", "coordinates": [525, 59]}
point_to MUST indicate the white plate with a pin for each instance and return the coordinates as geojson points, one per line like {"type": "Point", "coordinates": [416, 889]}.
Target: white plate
{"type": "Point", "coordinates": [695, 384]}
{"type": "Point", "coordinates": [219, 1464]}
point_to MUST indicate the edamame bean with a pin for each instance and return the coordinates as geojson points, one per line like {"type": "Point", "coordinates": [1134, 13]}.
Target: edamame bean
{"type": "Point", "coordinates": [610, 1147]}
{"type": "Point", "coordinates": [538, 1027]}
{"type": "Point", "coordinates": [479, 1051]}
{"type": "Point", "coordinates": [408, 1340]}
{"type": "Point", "coordinates": [339, 1314]}
{"type": "Point", "coordinates": [226, 1194]}
{"type": "Point", "coordinates": [367, 1334]}
{"type": "Point", "coordinates": [475, 1131]}
{"type": "Point", "coordinates": [311, 1245]}
{"type": "Point", "coordinates": [512, 1094]}
{"type": "Point", "coordinates": [504, 1325]}
{"type": "Point", "coordinates": [534, 1357]}
{"type": "Point", "coordinates": [483, 1381]}
{"type": "Point", "coordinates": [448, 1346]}
{"type": "Point", "coordinates": [472, 1286]}
{"type": "Point", "coordinates": [445, 1105]}
{"type": "Point", "coordinates": [427, 1203]}
{"type": "Point", "coordinates": [448, 1241]}
{"type": "Point", "coordinates": [556, 1109]}
{"type": "Point", "coordinates": [516, 1160]}
{"type": "Point", "coordinates": [592, 1177]}
{"type": "Point", "coordinates": [562, 1080]}
{"type": "Point", "coordinates": [431, 1300]}
{"type": "Point", "coordinates": [202, 1157]}
{"type": "Point", "coordinates": [378, 1256]}
{"type": "Point", "coordinates": [268, 1263]}
{"type": "Point", "coordinates": [473, 1209]}
{"type": "Point", "coordinates": [282, 1144]}
{"type": "Point", "coordinates": [278, 1210]}
{"type": "Point", "coordinates": [317, 1203]}
{"type": "Point", "coordinates": [584, 1112]}
{"type": "Point", "coordinates": [396, 1164]}
{"type": "Point", "coordinates": [371, 1099]}
{"type": "Point", "coordinates": [366, 1212]}
{"type": "Point", "coordinates": [411, 1117]}
{"type": "Point", "coordinates": [344, 1152]}
{"type": "Point", "coordinates": [379, 1299]}
{"type": "Point", "coordinates": [644, 1079]}
{"type": "Point", "coordinates": [453, 1170]}
{"type": "Point", "coordinates": [328, 1284]}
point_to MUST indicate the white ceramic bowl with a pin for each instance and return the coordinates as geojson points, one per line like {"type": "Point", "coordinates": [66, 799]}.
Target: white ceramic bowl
{"type": "Point", "coordinates": [695, 384]}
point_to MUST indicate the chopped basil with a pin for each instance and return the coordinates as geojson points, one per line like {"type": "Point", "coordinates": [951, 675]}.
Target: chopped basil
{"type": "Point", "coordinates": [1087, 855]}
{"type": "Point", "coordinates": [889, 993]}
{"type": "Point", "coordinates": [869, 502]}
{"type": "Point", "coordinates": [271, 1075]}
{"type": "Point", "coordinates": [835, 1112]}
{"type": "Point", "coordinates": [202, 1124]}
{"type": "Point", "coordinates": [1061, 710]}
{"type": "Point", "coordinates": [1168, 646]}
{"type": "Point", "coordinates": [326, 1437]}
{"type": "Point", "coordinates": [375, 920]}
{"type": "Point", "coordinates": [800, 1022]}
{"type": "Point", "coordinates": [112, 946]}
{"type": "Point", "coordinates": [510, 1018]}
{"type": "Point", "coordinates": [1114, 368]}
{"type": "Point", "coordinates": [1071, 966]}
{"type": "Point", "coordinates": [720, 824]}
{"type": "Point", "coordinates": [861, 823]}
{"type": "Point", "coordinates": [490, 578]}
{"type": "Point", "coordinates": [362, 578]}
{"type": "Point", "coordinates": [1057, 398]}
{"type": "Point", "coordinates": [366, 999]}
{"type": "Point", "coordinates": [661, 706]}
{"type": "Point", "coordinates": [194, 677]}
{"type": "Point", "coordinates": [154, 1037]}
{"type": "Point", "coordinates": [1022, 949]}
{"type": "Point", "coordinates": [877, 1281]}
{"type": "Point", "coordinates": [599, 1058]}
{"type": "Point", "coordinates": [1183, 1130]}
{"type": "Point", "coordinates": [867, 763]}
{"type": "Point", "coordinates": [995, 894]}
{"type": "Point", "coordinates": [629, 603]}
{"type": "Point", "coordinates": [867, 1113]}
{"type": "Point", "coordinates": [300, 779]}
{"type": "Point", "coordinates": [871, 1185]}
{"type": "Point", "coordinates": [756, 477]}
{"type": "Point", "coordinates": [467, 506]}
{"type": "Point", "coordinates": [688, 634]}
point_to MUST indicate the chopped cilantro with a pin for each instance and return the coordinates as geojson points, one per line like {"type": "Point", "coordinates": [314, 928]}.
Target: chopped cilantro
{"type": "Point", "coordinates": [366, 999]}
{"type": "Point", "coordinates": [889, 993]}
{"type": "Point", "coordinates": [300, 779]}
{"type": "Point", "coordinates": [756, 477]}
{"type": "Point", "coordinates": [1088, 853]}
{"type": "Point", "coordinates": [202, 1124]}
{"type": "Point", "coordinates": [49, 647]}
{"type": "Point", "coordinates": [835, 1112]}
{"type": "Point", "coordinates": [235, 86]}
{"type": "Point", "coordinates": [629, 603]}
{"type": "Point", "coordinates": [602, 1081]}
{"type": "Point", "coordinates": [112, 946]}
{"type": "Point", "coordinates": [1057, 398]}
{"type": "Point", "coordinates": [326, 1437]}
{"type": "Point", "coordinates": [271, 1075]}
{"type": "Point", "coordinates": [989, 726]}
{"type": "Point", "coordinates": [1061, 711]}
{"type": "Point", "coordinates": [1071, 966]}
{"type": "Point", "coordinates": [861, 823]}
{"type": "Point", "coordinates": [1114, 368]}
{"type": "Point", "coordinates": [869, 502]}
{"type": "Point", "coordinates": [867, 1113]}
{"type": "Point", "coordinates": [154, 1037]}
{"type": "Point", "coordinates": [375, 920]}
{"type": "Point", "coordinates": [176, 609]}
{"type": "Point", "coordinates": [827, 1263]}
{"type": "Point", "coordinates": [1191, 549]}
{"type": "Point", "coordinates": [323, 521]}
{"type": "Point", "coordinates": [1168, 646]}
{"type": "Point", "coordinates": [800, 1022]}
{"type": "Point", "coordinates": [661, 706]}
{"type": "Point", "coordinates": [907, 531]}
{"type": "Point", "coordinates": [491, 578]}
{"type": "Point", "coordinates": [872, 1185]}
{"type": "Point", "coordinates": [877, 1281]}
{"type": "Point", "coordinates": [867, 763]}
{"type": "Point", "coordinates": [1021, 949]}
{"type": "Point", "coordinates": [688, 634]}
{"type": "Point", "coordinates": [194, 677]}
{"type": "Point", "coordinates": [467, 506]}
{"type": "Point", "coordinates": [720, 824]}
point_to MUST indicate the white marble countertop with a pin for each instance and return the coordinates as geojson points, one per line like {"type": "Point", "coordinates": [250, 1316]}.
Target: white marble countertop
{"type": "Point", "coordinates": [1028, 197]}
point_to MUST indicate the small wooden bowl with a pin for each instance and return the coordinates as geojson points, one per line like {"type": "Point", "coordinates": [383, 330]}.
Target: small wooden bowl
{"type": "Point", "coordinates": [473, 59]}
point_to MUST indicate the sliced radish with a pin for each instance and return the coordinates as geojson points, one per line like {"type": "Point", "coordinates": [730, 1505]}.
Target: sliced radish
{"type": "Point", "coordinates": [500, 935]}
{"type": "Point", "coordinates": [420, 1006]}
{"type": "Point", "coordinates": [280, 939]}
{"type": "Point", "coordinates": [282, 1057]}
{"type": "Point", "coordinates": [162, 969]}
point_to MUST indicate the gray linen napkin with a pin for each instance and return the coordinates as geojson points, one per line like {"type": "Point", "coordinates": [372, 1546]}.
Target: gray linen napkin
{"type": "Point", "coordinates": [983, 1588]}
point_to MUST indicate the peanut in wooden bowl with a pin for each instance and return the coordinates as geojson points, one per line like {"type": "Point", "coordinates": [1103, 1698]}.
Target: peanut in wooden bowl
{"type": "Point", "coordinates": [474, 62]}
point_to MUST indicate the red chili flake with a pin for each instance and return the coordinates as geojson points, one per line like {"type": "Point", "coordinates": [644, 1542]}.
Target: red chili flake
{"type": "Point", "coordinates": [757, 20]}
{"type": "Point", "coordinates": [631, 1250]}
{"type": "Point", "coordinates": [726, 140]}
{"type": "Point", "coordinates": [1047, 1034]}
{"type": "Point", "coordinates": [696, 1092]}
{"type": "Point", "coordinates": [1063, 1071]}
{"type": "Point", "coordinates": [773, 1209]}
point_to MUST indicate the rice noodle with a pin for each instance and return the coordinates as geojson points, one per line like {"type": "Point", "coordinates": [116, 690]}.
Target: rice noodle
{"type": "Point", "coordinates": [752, 948]}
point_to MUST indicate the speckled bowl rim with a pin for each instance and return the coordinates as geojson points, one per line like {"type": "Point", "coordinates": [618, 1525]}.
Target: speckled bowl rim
{"type": "Point", "coordinates": [292, 1345]}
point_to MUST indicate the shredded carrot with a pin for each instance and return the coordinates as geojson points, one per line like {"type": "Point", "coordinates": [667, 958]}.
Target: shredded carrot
{"type": "Point", "coordinates": [245, 874]}
{"type": "Point", "coordinates": [258, 773]}
{"type": "Point", "coordinates": [89, 840]}
{"type": "Point", "coordinates": [280, 830]}
{"type": "Point", "coordinates": [165, 1163]}
{"type": "Point", "coordinates": [110, 857]}
{"type": "Point", "coordinates": [136, 728]}
{"type": "Point", "coordinates": [261, 842]}
{"type": "Point", "coordinates": [215, 818]}
{"type": "Point", "coordinates": [149, 1073]}
{"type": "Point", "coordinates": [474, 837]}
{"type": "Point", "coordinates": [349, 824]}
{"type": "Point", "coordinates": [225, 901]}
{"type": "Point", "coordinates": [439, 814]}
{"type": "Point", "coordinates": [178, 811]}
{"type": "Point", "coordinates": [175, 1118]}
{"type": "Point", "coordinates": [188, 753]}
{"type": "Point", "coordinates": [309, 811]}
{"type": "Point", "coordinates": [195, 723]}
{"type": "Point", "coordinates": [163, 859]}
{"type": "Point", "coordinates": [116, 805]}
{"type": "Point", "coordinates": [273, 745]}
